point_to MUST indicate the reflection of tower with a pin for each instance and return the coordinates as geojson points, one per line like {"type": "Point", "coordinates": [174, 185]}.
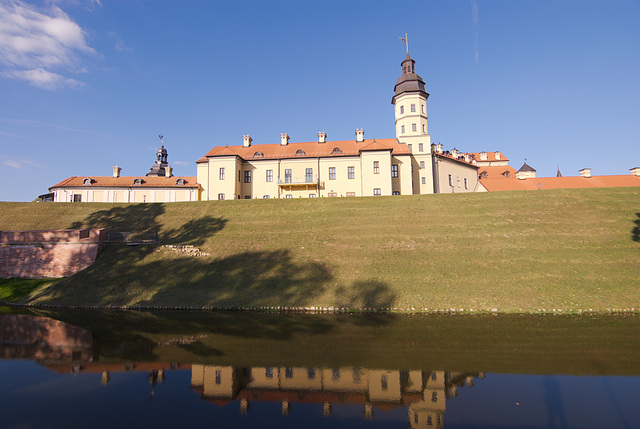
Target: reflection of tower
{"type": "Point", "coordinates": [154, 377]}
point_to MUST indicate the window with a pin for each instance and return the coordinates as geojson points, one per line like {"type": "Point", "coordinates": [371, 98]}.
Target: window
{"type": "Point", "coordinates": [287, 175]}
{"type": "Point", "coordinates": [180, 182]}
{"type": "Point", "coordinates": [77, 198]}
{"type": "Point", "coordinates": [466, 185]}
{"type": "Point", "coordinates": [335, 374]}
{"type": "Point", "coordinates": [351, 194]}
{"type": "Point", "coordinates": [377, 192]}
{"type": "Point", "coordinates": [247, 176]}
{"type": "Point", "coordinates": [137, 181]}
{"type": "Point", "coordinates": [421, 164]}
{"type": "Point", "coordinates": [221, 196]}
{"type": "Point", "coordinates": [413, 108]}
{"type": "Point", "coordinates": [450, 182]}
{"type": "Point", "coordinates": [434, 396]}
{"type": "Point", "coordinates": [247, 197]}
{"type": "Point", "coordinates": [266, 197]}
{"type": "Point", "coordinates": [424, 128]}
{"type": "Point", "coordinates": [424, 180]}
{"type": "Point", "coordinates": [420, 147]}
{"type": "Point", "coordinates": [402, 110]}
{"type": "Point", "coordinates": [424, 108]}
{"type": "Point", "coordinates": [300, 152]}
{"type": "Point", "coordinates": [288, 372]}
{"type": "Point", "coordinates": [384, 382]}
{"type": "Point", "coordinates": [351, 172]}
{"type": "Point", "coordinates": [221, 174]}
{"type": "Point", "coordinates": [395, 193]}
{"type": "Point", "coordinates": [402, 129]}
{"type": "Point", "coordinates": [308, 175]}
{"type": "Point", "coordinates": [312, 195]}
{"type": "Point", "coordinates": [394, 170]}
{"type": "Point", "coordinates": [258, 155]}
{"type": "Point", "coordinates": [336, 150]}
{"type": "Point", "coordinates": [332, 195]}
{"type": "Point", "coordinates": [410, 147]}
{"type": "Point", "coordinates": [414, 128]}
{"type": "Point", "coordinates": [268, 372]}
{"type": "Point", "coordinates": [239, 176]}
{"type": "Point", "coordinates": [311, 373]}
{"type": "Point", "coordinates": [218, 376]}
{"type": "Point", "coordinates": [86, 181]}
{"type": "Point", "coordinates": [289, 196]}
{"type": "Point", "coordinates": [376, 167]}
{"type": "Point", "coordinates": [269, 175]}
{"type": "Point", "coordinates": [332, 173]}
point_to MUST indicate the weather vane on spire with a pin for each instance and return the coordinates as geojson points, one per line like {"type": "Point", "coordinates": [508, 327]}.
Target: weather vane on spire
{"type": "Point", "coordinates": [405, 40]}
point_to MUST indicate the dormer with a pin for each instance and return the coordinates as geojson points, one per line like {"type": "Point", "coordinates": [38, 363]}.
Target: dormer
{"type": "Point", "coordinates": [137, 181]}
{"type": "Point", "coordinates": [87, 181]}
{"type": "Point", "coordinates": [180, 181]}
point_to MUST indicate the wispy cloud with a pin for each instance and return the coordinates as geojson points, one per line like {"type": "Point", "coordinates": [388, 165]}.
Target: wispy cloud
{"type": "Point", "coordinates": [120, 45]}
{"type": "Point", "coordinates": [46, 124]}
{"type": "Point", "coordinates": [476, 32]}
{"type": "Point", "coordinates": [37, 45]}
{"type": "Point", "coordinates": [21, 163]}
{"type": "Point", "coordinates": [182, 163]}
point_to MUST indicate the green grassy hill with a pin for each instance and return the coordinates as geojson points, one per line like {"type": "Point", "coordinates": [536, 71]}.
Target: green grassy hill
{"type": "Point", "coordinates": [514, 251]}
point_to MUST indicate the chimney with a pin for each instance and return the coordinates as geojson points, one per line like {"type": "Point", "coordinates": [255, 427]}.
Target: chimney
{"type": "Point", "coordinates": [467, 157]}
{"type": "Point", "coordinates": [635, 171]}
{"type": "Point", "coordinates": [454, 153]}
{"type": "Point", "coordinates": [585, 172]}
{"type": "Point", "coordinates": [439, 147]}
{"type": "Point", "coordinates": [167, 171]}
{"type": "Point", "coordinates": [246, 140]}
{"type": "Point", "coordinates": [497, 155]}
{"type": "Point", "coordinates": [483, 156]}
{"type": "Point", "coordinates": [116, 171]}
{"type": "Point", "coordinates": [322, 137]}
{"type": "Point", "coordinates": [359, 134]}
{"type": "Point", "coordinates": [284, 139]}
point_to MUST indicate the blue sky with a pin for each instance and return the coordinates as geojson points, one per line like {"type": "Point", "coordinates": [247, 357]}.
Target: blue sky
{"type": "Point", "coordinates": [89, 84]}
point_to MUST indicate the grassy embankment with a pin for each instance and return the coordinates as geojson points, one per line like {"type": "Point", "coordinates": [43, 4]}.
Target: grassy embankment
{"type": "Point", "coordinates": [514, 251]}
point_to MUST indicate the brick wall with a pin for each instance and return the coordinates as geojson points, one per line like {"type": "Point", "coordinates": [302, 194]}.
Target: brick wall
{"type": "Point", "coordinates": [49, 253]}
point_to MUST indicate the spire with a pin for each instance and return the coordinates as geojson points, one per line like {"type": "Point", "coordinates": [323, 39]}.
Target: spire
{"type": "Point", "coordinates": [558, 174]}
{"type": "Point", "coordinates": [409, 81]}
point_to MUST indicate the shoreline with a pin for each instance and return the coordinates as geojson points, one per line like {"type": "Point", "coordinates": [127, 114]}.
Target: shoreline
{"type": "Point", "coordinates": [323, 310]}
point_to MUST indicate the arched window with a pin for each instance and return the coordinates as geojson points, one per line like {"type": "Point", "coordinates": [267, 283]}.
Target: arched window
{"type": "Point", "coordinates": [258, 155]}
{"type": "Point", "coordinates": [180, 182]}
{"type": "Point", "coordinates": [336, 150]}
{"type": "Point", "coordinates": [86, 181]}
{"type": "Point", "coordinates": [137, 181]}
{"type": "Point", "coordinates": [300, 152]}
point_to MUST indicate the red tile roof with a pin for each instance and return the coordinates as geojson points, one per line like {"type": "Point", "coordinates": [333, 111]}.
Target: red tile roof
{"type": "Point", "coordinates": [513, 184]}
{"type": "Point", "coordinates": [127, 181]}
{"type": "Point", "coordinates": [491, 156]}
{"type": "Point", "coordinates": [497, 172]}
{"type": "Point", "coordinates": [308, 149]}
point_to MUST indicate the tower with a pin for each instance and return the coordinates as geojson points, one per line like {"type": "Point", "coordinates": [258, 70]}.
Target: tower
{"type": "Point", "coordinates": [160, 166]}
{"type": "Point", "coordinates": [410, 101]}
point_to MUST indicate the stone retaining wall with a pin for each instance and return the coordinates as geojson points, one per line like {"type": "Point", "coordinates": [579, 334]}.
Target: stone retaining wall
{"type": "Point", "coordinates": [49, 253]}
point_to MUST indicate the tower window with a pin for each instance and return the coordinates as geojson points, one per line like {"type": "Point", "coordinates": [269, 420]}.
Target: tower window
{"type": "Point", "coordinates": [424, 128]}
{"type": "Point", "coordinates": [414, 127]}
{"type": "Point", "coordinates": [402, 110]}
{"type": "Point", "coordinates": [413, 108]}
{"type": "Point", "coordinates": [420, 147]}
{"type": "Point", "coordinates": [402, 129]}
{"type": "Point", "coordinates": [410, 147]}
{"type": "Point", "coordinates": [422, 164]}
{"type": "Point", "coordinates": [424, 109]}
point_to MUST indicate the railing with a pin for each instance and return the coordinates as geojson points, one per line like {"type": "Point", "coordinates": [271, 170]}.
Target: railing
{"type": "Point", "coordinates": [305, 180]}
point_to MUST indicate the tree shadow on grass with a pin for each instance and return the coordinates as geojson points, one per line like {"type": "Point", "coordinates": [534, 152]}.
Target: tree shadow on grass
{"type": "Point", "coordinates": [133, 217]}
{"type": "Point", "coordinates": [635, 232]}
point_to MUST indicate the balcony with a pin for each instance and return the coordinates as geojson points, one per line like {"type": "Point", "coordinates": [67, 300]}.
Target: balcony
{"type": "Point", "coordinates": [307, 181]}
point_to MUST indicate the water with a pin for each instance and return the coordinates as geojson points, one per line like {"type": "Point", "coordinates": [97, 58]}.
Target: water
{"type": "Point", "coordinates": [113, 369]}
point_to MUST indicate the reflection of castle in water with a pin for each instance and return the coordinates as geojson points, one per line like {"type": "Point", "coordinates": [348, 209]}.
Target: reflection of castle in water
{"type": "Point", "coordinates": [425, 393]}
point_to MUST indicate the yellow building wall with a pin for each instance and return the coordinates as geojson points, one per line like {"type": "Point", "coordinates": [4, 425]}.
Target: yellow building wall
{"type": "Point", "coordinates": [372, 180]}
{"type": "Point", "coordinates": [299, 188]}
{"type": "Point", "coordinates": [141, 196]}
{"type": "Point", "coordinates": [228, 186]}
{"type": "Point", "coordinates": [160, 196]}
{"type": "Point", "coordinates": [259, 378]}
{"type": "Point", "coordinates": [300, 378]}
{"type": "Point", "coordinates": [346, 379]}
{"type": "Point", "coordinates": [384, 386]}
{"type": "Point", "coordinates": [402, 183]}
{"type": "Point", "coordinates": [259, 187]}
{"type": "Point", "coordinates": [219, 381]}
{"type": "Point", "coordinates": [458, 173]}
{"type": "Point", "coordinates": [341, 184]}
{"type": "Point", "coordinates": [98, 196]}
